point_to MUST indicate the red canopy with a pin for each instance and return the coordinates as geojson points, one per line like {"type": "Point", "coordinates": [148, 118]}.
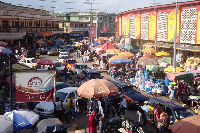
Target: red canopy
{"type": "Point", "coordinates": [45, 62]}
{"type": "Point", "coordinates": [115, 43]}
{"type": "Point", "coordinates": [171, 76]}
{"type": "Point", "coordinates": [106, 46]}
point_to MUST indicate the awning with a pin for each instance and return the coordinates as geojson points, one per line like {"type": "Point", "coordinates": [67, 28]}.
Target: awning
{"type": "Point", "coordinates": [11, 36]}
{"type": "Point", "coordinates": [162, 45]}
{"type": "Point", "coordinates": [46, 33]}
{"type": "Point", "coordinates": [188, 48]}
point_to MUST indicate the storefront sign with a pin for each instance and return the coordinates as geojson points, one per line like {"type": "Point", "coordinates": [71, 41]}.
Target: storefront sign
{"type": "Point", "coordinates": [152, 26]}
{"type": "Point", "coordinates": [171, 26]}
{"type": "Point", "coordinates": [198, 26]}
{"type": "Point", "coordinates": [137, 26]}
{"type": "Point", "coordinates": [34, 86]}
{"type": "Point", "coordinates": [92, 32]}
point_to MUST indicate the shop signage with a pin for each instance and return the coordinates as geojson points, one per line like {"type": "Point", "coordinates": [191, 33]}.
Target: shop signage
{"type": "Point", "coordinates": [92, 31]}
{"type": "Point", "coordinates": [104, 29]}
{"type": "Point", "coordinates": [34, 86]}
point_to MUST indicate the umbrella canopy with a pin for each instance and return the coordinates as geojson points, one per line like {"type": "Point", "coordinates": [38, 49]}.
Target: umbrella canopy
{"type": "Point", "coordinates": [115, 51]}
{"type": "Point", "coordinates": [45, 62]}
{"type": "Point", "coordinates": [149, 50]}
{"type": "Point", "coordinates": [59, 39]}
{"type": "Point", "coordinates": [162, 53]}
{"type": "Point", "coordinates": [171, 76]}
{"type": "Point", "coordinates": [128, 47]}
{"type": "Point", "coordinates": [40, 42]}
{"type": "Point", "coordinates": [48, 41]}
{"type": "Point", "coordinates": [186, 76]}
{"type": "Point", "coordinates": [147, 61]}
{"type": "Point", "coordinates": [170, 69]}
{"type": "Point", "coordinates": [97, 88]}
{"type": "Point", "coordinates": [149, 56]}
{"type": "Point", "coordinates": [22, 118]}
{"type": "Point", "coordinates": [117, 57]}
{"type": "Point", "coordinates": [121, 60]}
{"type": "Point", "coordinates": [3, 43]}
{"type": "Point", "coordinates": [127, 54]}
{"type": "Point", "coordinates": [107, 45]}
{"type": "Point", "coordinates": [49, 126]}
{"type": "Point", "coordinates": [5, 51]}
{"type": "Point", "coordinates": [6, 124]}
{"type": "Point", "coordinates": [186, 125]}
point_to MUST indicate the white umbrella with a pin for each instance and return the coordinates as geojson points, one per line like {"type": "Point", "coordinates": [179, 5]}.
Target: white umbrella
{"type": "Point", "coordinates": [6, 124]}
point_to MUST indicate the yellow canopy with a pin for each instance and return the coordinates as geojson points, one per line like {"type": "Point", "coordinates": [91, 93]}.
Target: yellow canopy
{"type": "Point", "coordinates": [149, 50]}
{"type": "Point", "coordinates": [170, 69]}
{"type": "Point", "coordinates": [127, 54]}
{"type": "Point", "coordinates": [162, 53]}
{"type": "Point", "coordinates": [116, 51]}
{"type": "Point", "coordinates": [116, 57]}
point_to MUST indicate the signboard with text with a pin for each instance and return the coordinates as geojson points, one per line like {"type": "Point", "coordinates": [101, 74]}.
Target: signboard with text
{"type": "Point", "coordinates": [34, 86]}
{"type": "Point", "coordinates": [92, 31]}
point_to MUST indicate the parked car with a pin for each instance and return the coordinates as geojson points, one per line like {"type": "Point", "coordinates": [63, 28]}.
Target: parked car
{"type": "Point", "coordinates": [31, 54]}
{"type": "Point", "coordinates": [30, 62]}
{"type": "Point", "coordinates": [64, 52]}
{"type": "Point", "coordinates": [78, 67]}
{"type": "Point", "coordinates": [69, 47]}
{"type": "Point", "coordinates": [175, 110]}
{"type": "Point", "coordinates": [91, 74]}
{"type": "Point", "coordinates": [61, 85]}
{"type": "Point", "coordinates": [53, 51]}
{"type": "Point", "coordinates": [62, 57]}
{"type": "Point", "coordinates": [46, 109]}
{"type": "Point", "coordinates": [59, 67]}
{"type": "Point", "coordinates": [69, 62]}
{"type": "Point", "coordinates": [130, 94]}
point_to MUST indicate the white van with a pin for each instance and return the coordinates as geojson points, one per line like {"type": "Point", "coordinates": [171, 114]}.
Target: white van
{"type": "Point", "coordinates": [46, 109]}
{"type": "Point", "coordinates": [30, 62]}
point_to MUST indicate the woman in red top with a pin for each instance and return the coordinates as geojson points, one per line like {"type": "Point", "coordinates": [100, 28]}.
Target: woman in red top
{"type": "Point", "coordinates": [92, 125]}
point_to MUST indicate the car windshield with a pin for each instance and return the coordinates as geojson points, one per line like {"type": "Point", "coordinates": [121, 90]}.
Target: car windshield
{"type": "Point", "coordinates": [63, 57]}
{"type": "Point", "coordinates": [71, 61]}
{"type": "Point", "coordinates": [33, 60]}
{"type": "Point", "coordinates": [61, 95]}
{"type": "Point", "coordinates": [58, 64]}
{"type": "Point", "coordinates": [94, 75]}
{"type": "Point", "coordinates": [183, 113]}
{"type": "Point", "coordinates": [128, 90]}
{"type": "Point", "coordinates": [64, 50]}
{"type": "Point", "coordinates": [81, 66]}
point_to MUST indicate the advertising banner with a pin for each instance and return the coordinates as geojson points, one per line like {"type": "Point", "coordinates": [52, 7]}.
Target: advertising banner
{"type": "Point", "coordinates": [198, 26]}
{"type": "Point", "coordinates": [137, 26]}
{"type": "Point", "coordinates": [152, 25]}
{"type": "Point", "coordinates": [104, 29]}
{"type": "Point", "coordinates": [120, 26]}
{"type": "Point", "coordinates": [34, 86]}
{"type": "Point", "coordinates": [92, 31]}
{"type": "Point", "coordinates": [127, 24]}
{"type": "Point", "coordinates": [171, 25]}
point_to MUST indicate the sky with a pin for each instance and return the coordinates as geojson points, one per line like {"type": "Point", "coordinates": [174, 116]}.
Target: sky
{"type": "Point", "coordinates": [108, 6]}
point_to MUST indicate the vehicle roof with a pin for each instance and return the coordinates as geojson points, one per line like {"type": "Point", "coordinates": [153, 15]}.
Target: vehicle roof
{"type": "Point", "coordinates": [91, 71]}
{"type": "Point", "coordinates": [68, 89]}
{"type": "Point", "coordinates": [168, 102]}
{"type": "Point", "coordinates": [120, 83]}
{"type": "Point", "coordinates": [80, 64]}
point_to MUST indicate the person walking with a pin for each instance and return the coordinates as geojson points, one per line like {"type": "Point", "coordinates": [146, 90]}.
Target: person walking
{"type": "Point", "coordinates": [58, 109]}
{"type": "Point", "coordinates": [162, 121]}
{"type": "Point", "coordinates": [92, 125]}
{"type": "Point", "coordinates": [102, 121]}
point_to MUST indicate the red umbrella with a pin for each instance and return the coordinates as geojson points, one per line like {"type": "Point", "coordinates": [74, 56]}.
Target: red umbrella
{"type": "Point", "coordinates": [149, 56]}
{"type": "Point", "coordinates": [48, 41]}
{"type": "Point", "coordinates": [45, 62]}
{"type": "Point", "coordinates": [3, 43]}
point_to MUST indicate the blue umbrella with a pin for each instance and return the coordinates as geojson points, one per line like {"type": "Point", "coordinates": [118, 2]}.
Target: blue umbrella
{"type": "Point", "coordinates": [128, 47]}
{"type": "Point", "coordinates": [22, 119]}
{"type": "Point", "coordinates": [95, 43]}
{"type": "Point", "coordinates": [5, 51]}
{"type": "Point", "coordinates": [121, 60]}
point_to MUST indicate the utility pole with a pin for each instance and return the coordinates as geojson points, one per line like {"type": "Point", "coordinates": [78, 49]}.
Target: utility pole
{"type": "Point", "coordinates": [175, 32]}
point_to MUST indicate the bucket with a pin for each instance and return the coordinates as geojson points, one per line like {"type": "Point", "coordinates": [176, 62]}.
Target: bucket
{"type": "Point", "coordinates": [166, 81]}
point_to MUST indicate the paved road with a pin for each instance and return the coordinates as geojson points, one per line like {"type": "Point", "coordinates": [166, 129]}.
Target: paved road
{"type": "Point", "coordinates": [82, 119]}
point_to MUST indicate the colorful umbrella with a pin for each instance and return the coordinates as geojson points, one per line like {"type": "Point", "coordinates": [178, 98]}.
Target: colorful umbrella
{"type": "Point", "coordinates": [22, 118]}
{"type": "Point", "coordinates": [3, 43]}
{"type": "Point", "coordinates": [45, 62]}
{"type": "Point", "coordinates": [128, 47]}
{"type": "Point", "coordinates": [121, 60]}
{"type": "Point", "coordinates": [162, 53]}
{"type": "Point", "coordinates": [97, 88]}
{"type": "Point", "coordinates": [187, 76]}
{"type": "Point", "coordinates": [186, 125]}
{"type": "Point", "coordinates": [5, 51]}
{"type": "Point", "coordinates": [115, 51]}
{"type": "Point", "coordinates": [170, 69]}
{"type": "Point", "coordinates": [6, 124]}
{"type": "Point", "coordinates": [149, 50]}
{"type": "Point", "coordinates": [147, 61]}
{"type": "Point", "coordinates": [149, 56]}
{"type": "Point", "coordinates": [117, 57]}
{"type": "Point", "coordinates": [127, 54]}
